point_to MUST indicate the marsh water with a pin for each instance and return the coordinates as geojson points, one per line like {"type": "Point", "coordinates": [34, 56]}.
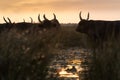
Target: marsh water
{"type": "Point", "coordinates": [70, 64]}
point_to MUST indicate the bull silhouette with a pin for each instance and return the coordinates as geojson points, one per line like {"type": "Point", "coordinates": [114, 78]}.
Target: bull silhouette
{"type": "Point", "coordinates": [99, 29]}
{"type": "Point", "coordinates": [22, 26]}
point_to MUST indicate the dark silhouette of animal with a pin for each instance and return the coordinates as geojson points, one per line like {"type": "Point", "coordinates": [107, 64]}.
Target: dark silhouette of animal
{"type": "Point", "coordinates": [31, 26]}
{"type": "Point", "coordinates": [45, 24]}
{"type": "Point", "coordinates": [24, 25]}
{"type": "Point", "coordinates": [99, 29]}
{"type": "Point", "coordinates": [50, 24]}
{"type": "Point", "coordinates": [55, 22]}
{"type": "Point", "coordinates": [6, 26]}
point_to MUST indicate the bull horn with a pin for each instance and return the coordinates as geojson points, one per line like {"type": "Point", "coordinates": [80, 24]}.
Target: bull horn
{"type": "Point", "coordinates": [24, 20]}
{"type": "Point", "coordinates": [5, 19]}
{"type": "Point", "coordinates": [44, 17]}
{"type": "Point", "coordinates": [88, 16]}
{"type": "Point", "coordinates": [39, 18]}
{"type": "Point", "coordinates": [9, 20]}
{"type": "Point", "coordinates": [54, 16]}
{"type": "Point", "coordinates": [80, 16]}
{"type": "Point", "coordinates": [31, 20]}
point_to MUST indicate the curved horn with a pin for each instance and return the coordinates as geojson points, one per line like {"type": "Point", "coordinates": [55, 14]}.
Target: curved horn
{"type": "Point", "coordinates": [54, 16]}
{"type": "Point", "coordinates": [44, 17]}
{"type": "Point", "coordinates": [5, 19]}
{"type": "Point", "coordinates": [88, 16]}
{"type": "Point", "coordinates": [31, 20]}
{"type": "Point", "coordinates": [23, 20]}
{"type": "Point", "coordinates": [39, 18]}
{"type": "Point", "coordinates": [9, 20]}
{"type": "Point", "coordinates": [80, 16]}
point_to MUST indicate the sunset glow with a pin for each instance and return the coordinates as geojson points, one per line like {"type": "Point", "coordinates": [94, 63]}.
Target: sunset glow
{"type": "Point", "coordinates": [67, 11]}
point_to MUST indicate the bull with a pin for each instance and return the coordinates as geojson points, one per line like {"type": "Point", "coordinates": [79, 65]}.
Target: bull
{"type": "Point", "coordinates": [7, 25]}
{"type": "Point", "coordinates": [55, 22]}
{"type": "Point", "coordinates": [49, 24]}
{"type": "Point", "coordinates": [99, 29]}
{"type": "Point", "coordinates": [24, 26]}
{"type": "Point", "coordinates": [27, 26]}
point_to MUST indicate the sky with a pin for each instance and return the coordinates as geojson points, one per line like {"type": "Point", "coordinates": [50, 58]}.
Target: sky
{"type": "Point", "coordinates": [67, 11]}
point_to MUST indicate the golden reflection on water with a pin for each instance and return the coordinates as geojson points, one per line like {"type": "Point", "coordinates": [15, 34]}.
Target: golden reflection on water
{"type": "Point", "coordinates": [68, 64]}
{"type": "Point", "coordinates": [64, 73]}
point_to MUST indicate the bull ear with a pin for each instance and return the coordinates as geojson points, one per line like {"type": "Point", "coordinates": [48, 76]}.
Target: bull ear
{"type": "Point", "coordinates": [88, 16]}
{"type": "Point", "coordinates": [44, 17]}
{"type": "Point", "coordinates": [9, 20]}
{"type": "Point", "coordinates": [80, 16]}
{"type": "Point", "coordinates": [39, 18]}
{"type": "Point", "coordinates": [5, 19]}
{"type": "Point", "coordinates": [54, 16]}
{"type": "Point", "coordinates": [31, 20]}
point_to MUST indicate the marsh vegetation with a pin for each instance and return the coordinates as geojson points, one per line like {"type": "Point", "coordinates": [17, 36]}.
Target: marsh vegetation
{"type": "Point", "coordinates": [26, 56]}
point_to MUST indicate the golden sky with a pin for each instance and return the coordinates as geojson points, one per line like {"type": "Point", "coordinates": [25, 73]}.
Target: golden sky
{"type": "Point", "coordinates": [67, 11]}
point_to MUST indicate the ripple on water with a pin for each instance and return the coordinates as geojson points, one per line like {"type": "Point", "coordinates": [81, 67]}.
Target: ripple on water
{"type": "Point", "coordinates": [65, 60]}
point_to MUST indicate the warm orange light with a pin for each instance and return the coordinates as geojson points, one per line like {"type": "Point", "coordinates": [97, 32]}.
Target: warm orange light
{"type": "Point", "coordinates": [63, 73]}
{"type": "Point", "coordinates": [67, 11]}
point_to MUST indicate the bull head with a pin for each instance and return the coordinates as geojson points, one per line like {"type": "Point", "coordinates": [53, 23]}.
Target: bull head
{"type": "Point", "coordinates": [84, 19]}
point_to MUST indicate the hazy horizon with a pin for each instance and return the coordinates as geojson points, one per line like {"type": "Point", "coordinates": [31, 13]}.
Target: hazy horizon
{"type": "Point", "coordinates": [67, 11]}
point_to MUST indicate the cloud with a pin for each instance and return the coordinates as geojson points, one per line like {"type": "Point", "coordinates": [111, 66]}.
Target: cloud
{"type": "Point", "coordinates": [57, 5]}
{"type": "Point", "coordinates": [28, 5]}
{"type": "Point", "coordinates": [61, 7]}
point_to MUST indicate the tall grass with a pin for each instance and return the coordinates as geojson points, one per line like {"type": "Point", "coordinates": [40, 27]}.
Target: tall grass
{"type": "Point", "coordinates": [105, 61]}
{"type": "Point", "coordinates": [68, 37]}
{"type": "Point", "coordinates": [26, 56]}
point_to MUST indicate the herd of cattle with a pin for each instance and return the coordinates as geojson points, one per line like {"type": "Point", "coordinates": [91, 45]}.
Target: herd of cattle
{"type": "Point", "coordinates": [96, 29]}
{"type": "Point", "coordinates": [22, 26]}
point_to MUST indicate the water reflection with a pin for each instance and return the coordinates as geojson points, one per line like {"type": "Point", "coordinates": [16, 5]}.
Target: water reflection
{"type": "Point", "coordinates": [69, 72]}
{"type": "Point", "coordinates": [67, 64]}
